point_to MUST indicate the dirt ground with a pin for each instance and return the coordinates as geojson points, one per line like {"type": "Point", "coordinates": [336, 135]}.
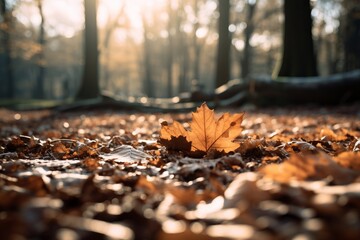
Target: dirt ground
{"type": "Point", "coordinates": [102, 174]}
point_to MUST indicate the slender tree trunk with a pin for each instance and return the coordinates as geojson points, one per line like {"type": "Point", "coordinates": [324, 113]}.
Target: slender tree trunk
{"type": "Point", "coordinates": [106, 52]}
{"type": "Point", "coordinates": [3, 8]}
{"type": "Point", "coordinates": [40, 88]}
{"type": "Point", "coordinates": [182, 49]}
{"type": "Point", "coordinates": [184, 72]}
{"type": "Point", "coordinates": [223, 49]}
{"type": "Point", "coordinates": [197, 47]}
{"type": "Point", "coordinates": [246, 59]}
{"type": "Point", "coordinates": [106, 70]}
{"type": "Point", "coordinates": [89, 87]}
{"type": "Point", "coordinates": [170, 57]}
{"type": "Point", "coordinates": [106, 46]}
{"type": "Point", "coordinates": [352, 35]}
{"type": "Point", "coordinates": [148, 82]}
{"type": "Point", "coordinates": [6, 43]}
{"type": "Point", "coordinates": [298, 49]}
{"type": "Point", "coordinates": [331, 58]}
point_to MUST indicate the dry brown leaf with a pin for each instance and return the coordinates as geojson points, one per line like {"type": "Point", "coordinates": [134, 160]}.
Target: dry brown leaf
{"type": "Point", "coordinates": [207, 134]}
{"type": "Point", "coordinates": [309, 167]}
{"type": "Point", "coordinates": [349, 160]}
{"type": "Point", "coordinates": [174, 137]}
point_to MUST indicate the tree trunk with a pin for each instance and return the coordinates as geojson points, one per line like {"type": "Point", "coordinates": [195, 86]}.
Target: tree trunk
{"type": "Point", "coordinates": [40, 88]}
{"type": "Point", "coordinates": [352, 35]}
{"type": "Point", "coordinates": [170, 56]}
{"type": "Point", "coordinates": [338, 88]}
{"type": "Point", "coordinates": [89, 87]}
{"type": "Point", "coordinates": [110, 28]}
{"type": "Point", "coordinates": [8, 80]}
{"type": "Point", "coordinates": [3, 8]}
{"type": "Point", "coordinates": [196, 46]}
{"type": "Point", "coordinates": [148, 82]}
{"type": "Point", "coordinates": [298, 49]}
{"type": "Point", "coordinates": [223, 50]}
{"type": "Point", "coordinates": [182, 49]}
{"type": "Point", "coordinates": [246, 58]}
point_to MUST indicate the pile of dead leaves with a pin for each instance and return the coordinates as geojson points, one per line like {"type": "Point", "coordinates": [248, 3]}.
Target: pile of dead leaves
{"type": "Point", "coordinates": [98, 175]}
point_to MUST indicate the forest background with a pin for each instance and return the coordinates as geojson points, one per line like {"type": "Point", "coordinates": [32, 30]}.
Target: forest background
{"type": "Point", "coordinates": [161, 48]}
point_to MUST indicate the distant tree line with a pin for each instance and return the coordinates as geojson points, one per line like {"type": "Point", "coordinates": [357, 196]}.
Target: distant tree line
{"type": "Point", "coordinates": [185, 44]}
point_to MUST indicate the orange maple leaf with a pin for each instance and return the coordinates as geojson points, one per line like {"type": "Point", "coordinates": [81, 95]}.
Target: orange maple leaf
{"type": "Point", "coordinates": [207, 133]}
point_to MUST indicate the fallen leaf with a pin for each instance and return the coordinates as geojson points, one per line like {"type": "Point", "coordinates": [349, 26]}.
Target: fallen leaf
{"type": "Point", "coordinates": [309, 167]}
{"type": "Point", "coordinates": [126, 154]}
{"type": "Point", "coordinates": [59, 150]}
{"type": "Point", "coordinates": [91, 164]}
{"type": "Point", "coordinates": [349, 160]}
{"type": "Point", "coordinates": [207, 133]}
{"type": "Point", "coordinates": [174, 137]}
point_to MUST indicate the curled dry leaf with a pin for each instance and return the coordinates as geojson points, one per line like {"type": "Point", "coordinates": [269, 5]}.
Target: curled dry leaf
{"type": "Point", "coordinates": [126, 154]}
{"type": "Point", "coordinates": [207, 133]}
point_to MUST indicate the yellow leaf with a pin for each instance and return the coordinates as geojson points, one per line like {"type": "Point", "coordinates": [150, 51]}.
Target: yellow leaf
{"type": "Point", "coordinates": [206, 133]}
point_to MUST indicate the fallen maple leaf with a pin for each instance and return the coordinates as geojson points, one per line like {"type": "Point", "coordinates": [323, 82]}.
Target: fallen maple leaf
{"type": "Point", "coordinates": [206, 134]}
{"type": "Point", "coordinates": [174, 137]}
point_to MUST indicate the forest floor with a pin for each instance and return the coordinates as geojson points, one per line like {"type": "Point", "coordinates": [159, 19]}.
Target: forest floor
{"type": "Point", "coordinates": [102, 174]}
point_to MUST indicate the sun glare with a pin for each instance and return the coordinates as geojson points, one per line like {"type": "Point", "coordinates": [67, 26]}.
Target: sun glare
{"type": "Point", "coordinates": [66, 17]}
{"type": "Point", "coordinates": [130, 11]}
{"type": "Point", "coordinates": [60, 18]}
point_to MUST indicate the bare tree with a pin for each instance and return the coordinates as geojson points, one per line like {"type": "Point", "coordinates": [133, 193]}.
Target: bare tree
{"type": "Point", "coordinates": [182, 48]}
{"type": "Point", "coordinates": [89, 87]}
{"type": "Point", "coordinates": [2, 8]}
{"type": "Point", "coordinates": [298, 49]}
{"type": "Point", "coordinates": [148, 81]}
{"type": "Point", "coordinates": [246, 56]}
{"type": "Point", "coordinates": [196, 45]}
{"type": "Point", "coordinates": [223, 49]}
{"type": "Point", "coordinates": [109, 30]}
{"type": "Point", "coordinates": [39, 90]}
{"type": "Point", "coordinates": [170, 57]}
{"type": "Point", "coordinates": [6, 45]}
{"type": "Point", "coordinates": [351, 35]}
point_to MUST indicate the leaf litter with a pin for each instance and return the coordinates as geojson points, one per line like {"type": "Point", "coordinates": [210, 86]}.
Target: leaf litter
{"type": "Point", "coordinates": [294, 174]}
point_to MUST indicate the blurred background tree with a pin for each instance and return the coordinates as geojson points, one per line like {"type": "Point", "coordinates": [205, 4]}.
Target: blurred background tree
{"type": "Point", "coordinates": [89, 87]}
{"type": "Point", "coordinates": [298, 57]}
{"type": "Point", "coordinates": [224, 41]}
{"type": "Point", "coordinates": [161, 48]}
{"type": "Point", "coordinates": [6, 74]}
{"type": "Point", "coordinates": [351, 34]}
{"type": "Point", "coordinates": [39, 89]}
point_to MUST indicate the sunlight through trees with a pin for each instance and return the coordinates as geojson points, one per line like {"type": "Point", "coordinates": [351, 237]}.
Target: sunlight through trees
{"type": "Point", "coordinates": [160, 48]}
